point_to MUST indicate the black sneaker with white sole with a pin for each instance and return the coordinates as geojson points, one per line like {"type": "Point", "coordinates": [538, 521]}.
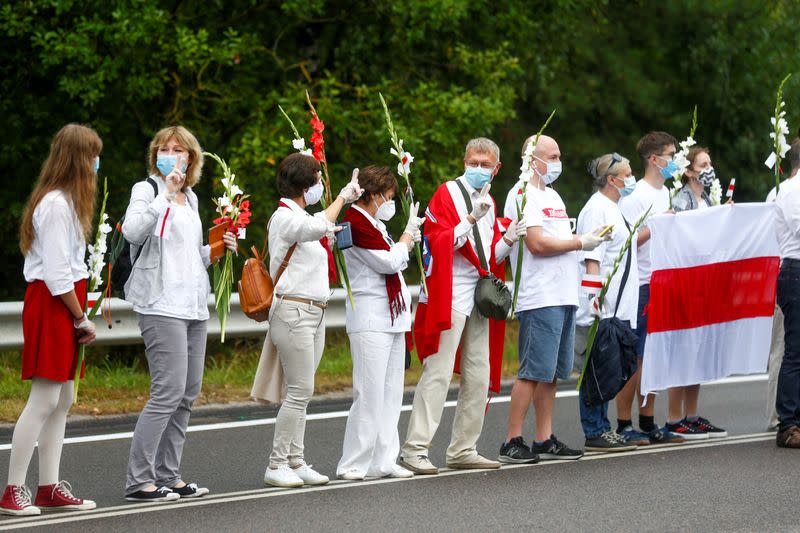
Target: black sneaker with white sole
{"type": "Point", "coordinates": [190, 490]}
{"type": "Point", "coordinates": [161, 494]}
{"type": "Point", "coordinates": [703, 424]}
{"type": "Point", "coordinates": [553, 450]}
{"type": "Point", "coordinates": [608, 442]}
{"type": "Point", "coordinates": [516, 451]}
{"type": "Point", "coordinates": [685, 430]}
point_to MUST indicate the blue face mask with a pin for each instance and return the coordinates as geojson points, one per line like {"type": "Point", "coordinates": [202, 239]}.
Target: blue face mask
{"type": "Point", "coordinates": [630, 185]}
{"type": "Point", "coordinates": [97, 164]}
{"type": "Point", "coordinates": [165, 164]}
{"type": "Point", "coordinates": [477, 177]}
{"type": "Point", "coordinates": [669, 170]}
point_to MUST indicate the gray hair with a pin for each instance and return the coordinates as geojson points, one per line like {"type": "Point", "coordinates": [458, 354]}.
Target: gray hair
{"type": "Point", "coordinates": [484, 146]}
{"type": "Point", "coordinates": [604, 166]}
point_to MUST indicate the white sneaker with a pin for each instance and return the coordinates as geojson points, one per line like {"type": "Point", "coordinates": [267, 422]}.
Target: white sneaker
{"type": "Point", "coordinates": [351, 475]}
{"type": "Point", "coordinates": [309, 476]}
{"type": "Point", "coordinates": [400, 472]}
{"type": "Point", "coordinates": [283, 477]}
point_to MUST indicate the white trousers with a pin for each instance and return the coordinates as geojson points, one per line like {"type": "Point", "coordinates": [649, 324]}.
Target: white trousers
{"type": "Point", "coordinates": [472, 333]}
{"type": "Point", "coordinates": [371, 441]}
{"type": "Point", "coordinates": [776, 350]}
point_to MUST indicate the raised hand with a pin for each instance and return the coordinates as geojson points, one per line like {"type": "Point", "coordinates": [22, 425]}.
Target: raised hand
{"type": "Point", "coordinates": [352, 191]}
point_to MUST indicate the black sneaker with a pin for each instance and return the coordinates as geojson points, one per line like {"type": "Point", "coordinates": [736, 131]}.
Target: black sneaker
{"type": "Point", "coordinates": [703, 424]}
{"type": "Point", "coordinates": [516, 451]}
{"type": "Point", "coordinates": [190, 490]}
{"type": "Point", "coordinates": [662, 436]}
{"type": "Point", "coordinates": [552, 449]}
{"type": "Point", "coordinates": [608, 442]}
{"type": "Point", "coordinates": [686, 431]}
{"type": "Point", "coordinates": [161, 494]}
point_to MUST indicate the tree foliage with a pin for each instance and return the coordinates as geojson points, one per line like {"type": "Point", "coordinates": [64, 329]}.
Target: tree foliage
{"type": "Point", "coordinates": [450, 70]}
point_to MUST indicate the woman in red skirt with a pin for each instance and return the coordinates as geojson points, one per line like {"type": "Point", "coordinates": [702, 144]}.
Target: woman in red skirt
{"type": "Point", "coordinates": [55, 225]}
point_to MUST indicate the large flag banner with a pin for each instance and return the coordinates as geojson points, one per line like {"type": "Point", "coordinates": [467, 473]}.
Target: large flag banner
{"type": "Point", "coordinates": [712, 294]}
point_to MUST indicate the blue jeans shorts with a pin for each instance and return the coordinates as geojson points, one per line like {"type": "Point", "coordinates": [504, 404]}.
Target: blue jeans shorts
{"type": "Point", "coordinates": [546, 340]}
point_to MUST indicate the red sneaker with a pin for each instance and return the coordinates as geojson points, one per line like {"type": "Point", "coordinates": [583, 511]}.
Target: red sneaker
{"type": "Point", "coordinates": [17, 501]}
{"type": "Point", "coordinates": [59, 497]}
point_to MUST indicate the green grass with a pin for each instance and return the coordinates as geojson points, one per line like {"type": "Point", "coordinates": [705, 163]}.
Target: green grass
{"type": "Point", "coordinates": [117, 380]}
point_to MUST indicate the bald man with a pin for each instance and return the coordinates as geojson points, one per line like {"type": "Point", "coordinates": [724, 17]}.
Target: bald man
{"type": "Point", "coordinates": [546, 305]}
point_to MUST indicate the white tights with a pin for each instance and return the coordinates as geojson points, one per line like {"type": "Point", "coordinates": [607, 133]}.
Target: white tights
{"type": "Point", "coordinates": [44, 419]}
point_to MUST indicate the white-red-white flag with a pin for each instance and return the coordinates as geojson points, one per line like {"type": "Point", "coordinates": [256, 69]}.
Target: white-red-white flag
{"type": "Point", "coordinates": [712, 294]}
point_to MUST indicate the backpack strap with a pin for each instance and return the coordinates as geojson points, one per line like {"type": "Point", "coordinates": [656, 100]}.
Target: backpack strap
{"type": "Point", "coordinates": [152, 182]}
{"type": "Point", "coordinates": [476, 234]}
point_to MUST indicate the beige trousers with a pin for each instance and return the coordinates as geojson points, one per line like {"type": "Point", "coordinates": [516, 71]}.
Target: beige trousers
{"type": "Point", "coordinates": [776, 350]}
{"type": "Point", "coordinates": [472, 333]}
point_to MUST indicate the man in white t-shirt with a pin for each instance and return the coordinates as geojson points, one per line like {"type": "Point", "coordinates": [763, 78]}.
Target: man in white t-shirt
{"type": "Point", "coordinates": [777, 347]}
{"type": "Point", "coordinates": [548, 297]}
{"type": "Point", "coordinates": [656, 150]}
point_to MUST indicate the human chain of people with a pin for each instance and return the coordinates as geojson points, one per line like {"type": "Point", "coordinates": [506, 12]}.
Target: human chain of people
{"type": "Point", "coordinates": [647, 289]}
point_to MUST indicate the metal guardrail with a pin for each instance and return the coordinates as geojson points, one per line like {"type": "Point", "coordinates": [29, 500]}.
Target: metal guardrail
{"type": "Point", "coordinates": [125, 328]}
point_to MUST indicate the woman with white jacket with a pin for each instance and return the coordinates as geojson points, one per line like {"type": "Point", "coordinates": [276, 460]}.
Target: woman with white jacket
{"type": "Point", "coordinates": [377, 327]}
{"type": "Point", "coordinates": [169, 288]}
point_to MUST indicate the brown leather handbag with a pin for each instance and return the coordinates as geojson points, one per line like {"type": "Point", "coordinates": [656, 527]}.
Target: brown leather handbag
{"type": "Point", "coordinates": [256, 288]}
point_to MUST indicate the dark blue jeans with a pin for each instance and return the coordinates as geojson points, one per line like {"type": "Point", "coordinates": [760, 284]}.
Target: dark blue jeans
{"type": "Point", "coordinates": [594, 420]}
{"type": "Point", "coordinates": [788, 398]}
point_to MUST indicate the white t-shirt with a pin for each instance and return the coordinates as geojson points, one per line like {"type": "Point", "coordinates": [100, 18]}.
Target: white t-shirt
{"type": "Point", "coordinates": [546, 281]}
{"type": "Point", "coordinates": [601, 211]}
{"type": "Point", "coordinates": [788, 224]}
{"type": "Point", "coordinates": [58, 249]}
{"type": "Point", "coordinates": [633, 207]}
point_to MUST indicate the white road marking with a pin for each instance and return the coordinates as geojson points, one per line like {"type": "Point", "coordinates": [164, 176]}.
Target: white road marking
{"type": "Point", "coordinates": [241, 496]}
{"type": "Point", "coordinates": [569, 393]}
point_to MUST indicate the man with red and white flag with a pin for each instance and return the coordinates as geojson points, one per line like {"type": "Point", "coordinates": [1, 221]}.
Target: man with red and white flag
{"type": "Point", "coordinates": [449, 331]}
{"type": "Point", "coordinates": [712, 294]}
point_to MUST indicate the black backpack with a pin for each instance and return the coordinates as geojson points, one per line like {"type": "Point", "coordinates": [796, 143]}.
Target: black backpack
{"type": "Point", "coordinates": [120, 253]}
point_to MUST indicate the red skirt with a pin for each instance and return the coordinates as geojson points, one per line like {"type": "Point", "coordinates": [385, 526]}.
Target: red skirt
{"type": "Point", "coordinates": [50, 347]}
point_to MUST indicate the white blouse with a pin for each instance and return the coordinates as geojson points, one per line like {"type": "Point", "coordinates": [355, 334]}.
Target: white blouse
{"type": "Point", "coordinates": [184, 257]}
{"type": "Point", "coordinates": [307, 273]}
{"type": "Point", "coordinates": [367, 270]}
{"type": "Point", "coordinates": [58, 250]}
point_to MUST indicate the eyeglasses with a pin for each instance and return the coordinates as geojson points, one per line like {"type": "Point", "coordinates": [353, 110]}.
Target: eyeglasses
{"type": "Point", "coordinates": [668, 157]}
{"type": "Point", "coordinates": [615, 158]}
{"type": "Point", "coordinates": [484, 165]}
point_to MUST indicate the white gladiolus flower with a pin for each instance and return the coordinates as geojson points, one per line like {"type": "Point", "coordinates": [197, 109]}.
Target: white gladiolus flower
{"type": "Point", "coordinates": [226, 183]}
{"type": "Point", "coordinates": [715, 192]}
{"type": "Point", "coordinates": [235, 191]}
{"type": "Point", "coordinates": [224, 201]}
{"type": "Point", "coordinates": [105, 228]}
{"type": "Point", "coordinates": [299, 144]}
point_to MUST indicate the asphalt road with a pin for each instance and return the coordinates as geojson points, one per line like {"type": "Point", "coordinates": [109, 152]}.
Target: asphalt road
{"type": "Point", "coordinates": [743, 483]}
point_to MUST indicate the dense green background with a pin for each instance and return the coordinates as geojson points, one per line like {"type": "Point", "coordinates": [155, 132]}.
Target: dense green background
{"type": "Point", "coordinates": [451, 70]}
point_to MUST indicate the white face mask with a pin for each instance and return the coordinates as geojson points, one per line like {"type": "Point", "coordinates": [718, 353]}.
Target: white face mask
{"type": "Point", "coordinates": [313, 194]}
{"type": "Point", "coordinates": [386, 210]}
{"type": "Point", "coordinates": [553, 171]}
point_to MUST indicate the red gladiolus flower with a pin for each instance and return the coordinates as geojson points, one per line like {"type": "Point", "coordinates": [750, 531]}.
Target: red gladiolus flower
{"type": "Point", "coordinates": [316, 124]}
{"type": "Point", "coordinates": [318, 143]}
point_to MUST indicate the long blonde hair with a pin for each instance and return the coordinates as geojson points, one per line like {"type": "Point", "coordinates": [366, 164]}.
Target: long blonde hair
{"type": "Point", "coordinates": [185, 139]}
{"type": "Point", "coordinates": [69, 167]}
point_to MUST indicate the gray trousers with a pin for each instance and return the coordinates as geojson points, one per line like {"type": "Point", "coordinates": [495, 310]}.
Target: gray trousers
{"type": "Point", "coordinates": [298, 331]}
{"type": "Point", "coordinates": [776, 349]}
{"type": "Point", "coordinates": [175, 350]}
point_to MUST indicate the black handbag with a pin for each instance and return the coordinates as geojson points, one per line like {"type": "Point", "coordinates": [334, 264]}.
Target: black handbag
{"type": "Point", "coordinates": [492, 297]}
{"type": "Point", "coordinates": [612, 360]}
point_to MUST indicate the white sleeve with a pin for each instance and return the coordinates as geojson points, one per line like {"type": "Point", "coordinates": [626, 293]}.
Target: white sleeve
{"type": "Point", "coordinates": [588, 220]}
{"type": "Point", "coordinates": [460, 233]}
{"type": "Point", "coordinates": [299, 227]}
{"type": "Point", "coordinates": [57, 216]}
{"type": "Point", "coordinates": [143, 212]}
{"type": "Point", "coordinates": [384, 262]}
{"type": "Point", "coordinates": [533, 213]}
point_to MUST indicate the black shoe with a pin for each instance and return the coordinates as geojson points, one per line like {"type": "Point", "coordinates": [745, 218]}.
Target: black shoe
{"type": "Point", "coordinates": [608, 442]}
{"type": "Point", "coordinates": [190, 490]}
{"type": "Point", "coordinates": [688, 432]}
{"type": "Point", "coordinates": [552, 449]}
{"type": "Point", "coordinates": [516, 451]}
{"type": "Point", "coordinates": [703, 424]}
{"type": "Point", "coordinates": [161, 494]}
{"type": "Point", "coordinates": [662, 436]}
